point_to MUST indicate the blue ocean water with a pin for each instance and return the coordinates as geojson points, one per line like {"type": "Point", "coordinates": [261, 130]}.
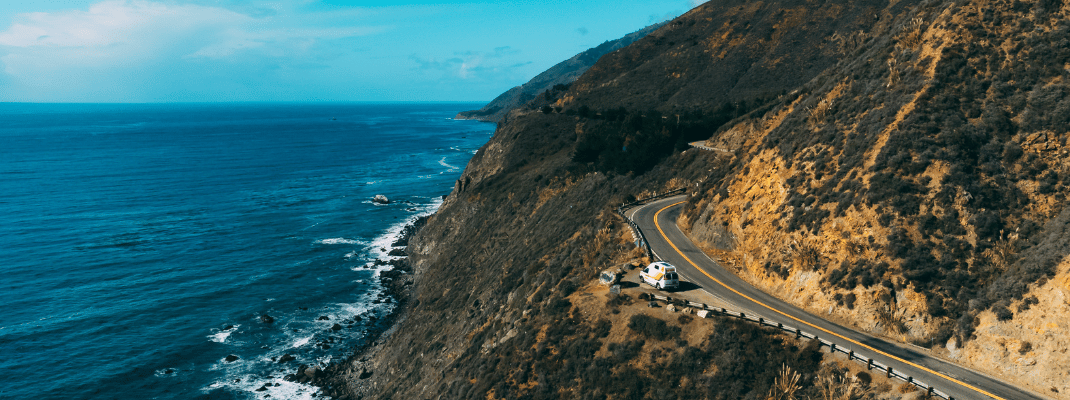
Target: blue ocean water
{"type": "Point", "coordinates": [140, 244]}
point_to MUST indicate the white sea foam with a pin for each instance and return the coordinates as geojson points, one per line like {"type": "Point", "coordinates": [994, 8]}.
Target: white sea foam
{"type": "Point", "coordinates": [302, 332]}
{"type": "Point", "coordinates": [455, 148]}
{"type": "Point", "coordinates": [250, 375]}
{"type": "Point", "coordinates": [444, 164]}
{"type": "Point", "coordinates": [380, 247]}
{"type": "Point", "coordinates": [301, 342]}
{"type": "Point", "coordinates": [221, 336]}
{"type": "Point", "coordinates": [337, 241]}
{"type": "Point", "coordinates": [164, 373]}
{"type": "Point", "coordinates": [275, 388]}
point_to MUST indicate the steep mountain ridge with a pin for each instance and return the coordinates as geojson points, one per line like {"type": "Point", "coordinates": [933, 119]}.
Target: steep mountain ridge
{"type": "Point", "coordinates": [899, 166]}
{"type": "Point", "coordinates": [918, 190]}
{"type": "Point", "coordinates": [561, 74]}
{"type": "Point", "coordinates": [736, 51]}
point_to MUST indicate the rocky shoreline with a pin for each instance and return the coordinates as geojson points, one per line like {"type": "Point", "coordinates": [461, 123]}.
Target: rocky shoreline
{"type": "Point", "coordinates": [336, 379]}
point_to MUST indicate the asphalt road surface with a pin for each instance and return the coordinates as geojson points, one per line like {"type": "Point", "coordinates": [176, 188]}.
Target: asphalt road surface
{"type": "Point", "coordinates": [669, 243]}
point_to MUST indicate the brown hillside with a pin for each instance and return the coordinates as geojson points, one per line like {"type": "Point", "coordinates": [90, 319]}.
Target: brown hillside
{"type": "Point", "coordinates": [918, 189]}
{"type": "Point", "coordinates": [731, 51]}
{"type": "Point", "coordinates": [900, 166]}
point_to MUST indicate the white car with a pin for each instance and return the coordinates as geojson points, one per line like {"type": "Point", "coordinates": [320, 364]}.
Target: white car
{"type": "Point", "coordinates": [660, 275]}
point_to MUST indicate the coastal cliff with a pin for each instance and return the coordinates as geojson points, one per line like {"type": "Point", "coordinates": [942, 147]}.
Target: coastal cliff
{"type": "Point", "coordinates": [898, 166]}
{"type": "Point", "coordinates": [560, 75]}
{"type": "Point", "coordinates": [917, 190]}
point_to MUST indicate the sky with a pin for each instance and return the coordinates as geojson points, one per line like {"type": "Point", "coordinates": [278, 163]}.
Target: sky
{"type": "Point", "coordinates": [149, 51]}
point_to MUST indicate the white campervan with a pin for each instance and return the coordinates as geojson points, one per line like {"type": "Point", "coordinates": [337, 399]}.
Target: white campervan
{"type": "Point", "coordinates": [660, 275]}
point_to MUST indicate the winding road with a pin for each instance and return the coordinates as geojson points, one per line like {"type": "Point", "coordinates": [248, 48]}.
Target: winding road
{"type": "Point", "coordinates": [658, 222]}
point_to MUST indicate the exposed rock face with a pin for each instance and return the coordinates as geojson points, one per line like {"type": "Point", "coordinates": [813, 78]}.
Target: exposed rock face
{"type": "Point", "coordinates": [897, 165]}
{"type": "Point", "coordinates": [916, 188]}
{"type": "Point", "coordinates": [526, 223]}
{"type": "Point", "coordinates": [380, 199]}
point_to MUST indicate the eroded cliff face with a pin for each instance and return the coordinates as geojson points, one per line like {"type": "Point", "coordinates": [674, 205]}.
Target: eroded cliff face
{"type": "Point", "coordinates": [900, 166]}
{"type": "Point", "coordinates": [524, 227]}
{"type": "Point", "coordinates": [918, 189]}
{"type": "Point", "coordinates": [732, 51]}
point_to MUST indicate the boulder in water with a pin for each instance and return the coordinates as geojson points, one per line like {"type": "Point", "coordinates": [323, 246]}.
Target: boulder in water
{"type": "Point", "coordinates": [267, 319]}
{"type": "Point", "coordinates": [380, 199]}
{"type": "Point", "coordinates": [231, 358]}
{"type": "Point", "coordinates": [286, 358]}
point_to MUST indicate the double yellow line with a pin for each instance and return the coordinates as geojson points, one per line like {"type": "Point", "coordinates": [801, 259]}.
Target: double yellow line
{"type": "Point", "coordinates": [666, 237]}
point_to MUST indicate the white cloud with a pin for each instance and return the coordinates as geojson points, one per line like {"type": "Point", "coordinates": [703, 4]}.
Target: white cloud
{"type": "Point", "coordinates": [115, 41]}
{"type": "Point", "coordinates": [110, 23]}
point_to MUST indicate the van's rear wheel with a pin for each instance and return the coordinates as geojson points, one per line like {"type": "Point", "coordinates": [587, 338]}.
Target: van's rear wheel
{"type": "Point", "coordinates": [657, 286]}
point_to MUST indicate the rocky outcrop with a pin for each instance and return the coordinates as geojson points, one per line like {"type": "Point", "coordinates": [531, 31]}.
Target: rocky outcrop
{"type": "Point", "coordinates": [915, 188]}
{"type": "Point", "coordinates": [893, 165]}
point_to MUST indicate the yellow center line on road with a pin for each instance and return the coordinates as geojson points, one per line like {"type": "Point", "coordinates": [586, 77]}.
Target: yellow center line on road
{"type": "Point", "coordinates": [666, 237]}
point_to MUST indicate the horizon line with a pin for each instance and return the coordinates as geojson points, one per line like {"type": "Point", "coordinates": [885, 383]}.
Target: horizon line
{"type": "Point", "coordinates": [253, 102]}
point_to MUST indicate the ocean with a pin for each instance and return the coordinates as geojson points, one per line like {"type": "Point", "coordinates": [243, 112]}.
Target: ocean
{"type": "Point", "coordinates": [141, 244]}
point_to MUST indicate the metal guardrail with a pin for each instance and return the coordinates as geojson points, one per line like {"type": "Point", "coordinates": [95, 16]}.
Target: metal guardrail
{"type": "Point", "coordinates": [833, 347]}
{"type": "Point", "coordinates": [701, 145]}
{"type": "Point", "coordinates": [636, 232]}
